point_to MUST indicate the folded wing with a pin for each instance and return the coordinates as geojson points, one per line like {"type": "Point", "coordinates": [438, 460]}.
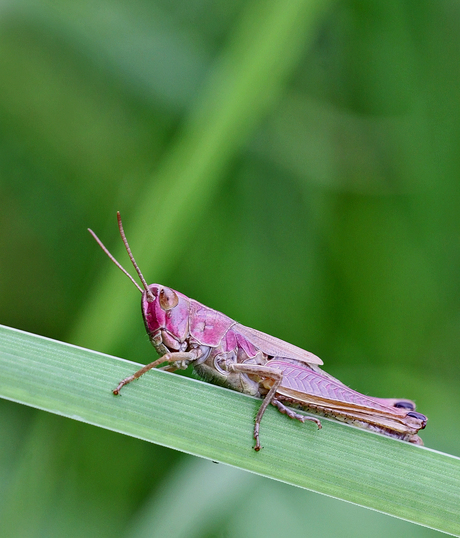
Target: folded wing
{"type": "Point", "coordinates": [275, 347]}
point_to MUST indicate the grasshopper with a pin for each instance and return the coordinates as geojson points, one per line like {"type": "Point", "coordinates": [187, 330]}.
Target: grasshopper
{"type": "Point", "coordinates": [222, 351]}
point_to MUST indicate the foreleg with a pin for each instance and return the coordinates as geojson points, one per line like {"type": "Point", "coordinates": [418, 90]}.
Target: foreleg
{"type": "Point", "coordinates": [173, 358]}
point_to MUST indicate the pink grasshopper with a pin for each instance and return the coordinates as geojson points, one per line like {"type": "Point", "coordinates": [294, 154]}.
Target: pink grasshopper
{"type": "Point", "coordinates": [224, 352]}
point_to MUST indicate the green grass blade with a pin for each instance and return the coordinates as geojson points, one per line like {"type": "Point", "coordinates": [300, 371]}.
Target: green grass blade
{"type": "Point", "coordinates": [409, 482]}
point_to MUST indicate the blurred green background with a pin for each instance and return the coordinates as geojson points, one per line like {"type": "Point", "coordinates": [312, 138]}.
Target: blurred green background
{"type": "Point", "coordinates": [313, 154]}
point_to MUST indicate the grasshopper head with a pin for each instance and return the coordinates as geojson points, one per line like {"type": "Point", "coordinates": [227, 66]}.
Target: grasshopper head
{"type": "Point", "coordinates": [165, 310]}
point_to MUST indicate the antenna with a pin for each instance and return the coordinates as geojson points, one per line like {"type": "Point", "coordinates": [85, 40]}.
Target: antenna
{"type": "Point", "coordinates": [150, 296]}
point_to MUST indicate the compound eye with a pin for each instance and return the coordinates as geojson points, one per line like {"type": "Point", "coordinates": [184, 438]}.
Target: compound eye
{"type": "Point", "coordinates": [168, 299]}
